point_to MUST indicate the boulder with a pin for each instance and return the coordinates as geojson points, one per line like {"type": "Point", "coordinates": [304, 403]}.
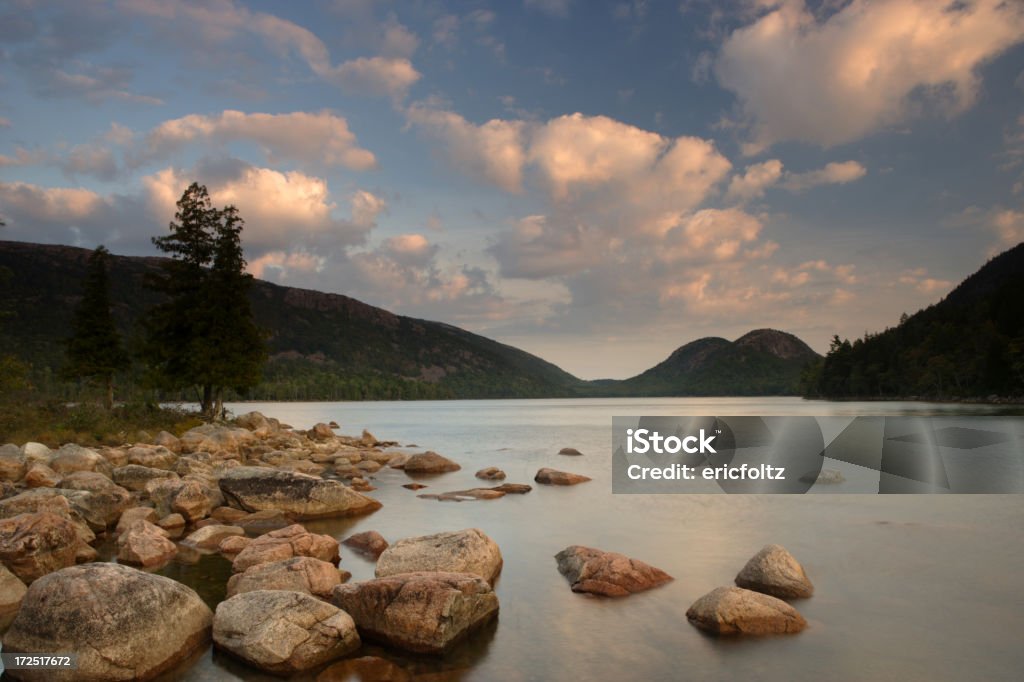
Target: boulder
{"type": "Point", "coordinates": [569, 451]}
{"type": "Point", "coordinates": [124, 624]}
{"type": "Point", "coordinates": [228, 514]}
{"type": "Point", "coordinates": [608, 574]}
{"type": "Point", "coordinates": [152, 456]}
{"type": "Point", "coordinates": [191, 501]}
{"type": "Point", "coordinates": [71, 458]}
{"type": "Point", "coordinates": [136, 476]}
{"type": "Point", "coordinates": [12, 463]}
{"type": "Point", "coordinates": [513, 488]}
{"type": "Point", "coordinates": [233, 544]}
{"type": "Point", "coordinates": [554, 477]}
{"type": "Point", "coordinates": [429, 463]}
{"type": "Point", "coordinates": [32, 545]}
{"type": "Point", "coordinates": [734, 610]}
{"type": "Point", "coordinates": [172, 523]}
{"type": "Point", "coordinates": [253, 421]}
{"type": "Point", "coordinates": [298, 574]}
{"type": "Point", "coordinates": [285, 544]}
{"type": "Point", "coordinates": [370, 542]}
{"type": "Point", "coordinates": [283, 632]}
{"type": "Point", "coordinates": [41, 476]}
{"type": "Point", "coordinates": [99, 508]}
{"type": "Point", "coordinates": [167, 440]}
{"type": "Point", "coordinates": [419, 612]}
{"type": "Point", "coordinates": [12, 591]}
{"type": "Point", "coordinates": [210, 537]}
{"type": "Point", "coordinates": [258, 523]}
{"type": "Point", "coordinates": [36, 453]}
{"type": "Point", "coordinates": [461, 551]}
{"type": "Point", "coordinates": [321, 431]}
{"type": "Point", "coordinates": [775, 571]}
{"type": "Point", "coordinates": [300, 495]}
{"type": "Point", "coordinates": [145, 544]}
{"type": "Point", "coordinates": [48, 500]}
{"type": "Point", "coordinates": [130, 516]}
{"type": "Point", "coordinates": [216, 438]}
{"type": "Point", "coordinates": [491, 474]}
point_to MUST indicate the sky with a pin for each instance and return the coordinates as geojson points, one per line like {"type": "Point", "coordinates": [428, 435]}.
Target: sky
{"type": "Point", "coordinates": [595, 182]}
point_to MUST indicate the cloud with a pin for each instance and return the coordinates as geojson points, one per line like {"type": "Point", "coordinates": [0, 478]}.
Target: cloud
{"type": "Point", "coordinates": [918, 279]}
{"type": "Point", "coordinates": [863, 68]}
{"type": "Point", "coordinates": [90, 82]}
{"type": "Point", "coordinates": [755, 180]}
{"type": "Point", "coordinates": [321, 137]}
{"type": "Point", "coordinates": [5, 122]}
{"type": "Point", "coordinates": [759, 177]}
{"type": "Point", "coordinates": [555, 8]}
{"type": "Point", "coordinates": [21, 157]}
{"type": "Point", "coordinates": [836, 173]}
{"type": "Point", "coordinates": [70, 206]}
{"type": "Point", "coordinates": [376, 75]}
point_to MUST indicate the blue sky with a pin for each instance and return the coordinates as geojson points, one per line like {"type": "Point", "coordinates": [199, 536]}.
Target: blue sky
{"type": "Point", "coordinates": [597, 183]}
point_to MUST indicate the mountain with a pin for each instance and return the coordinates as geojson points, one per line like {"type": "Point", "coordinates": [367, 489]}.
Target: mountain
{"type": "Point", "coordinates": [332, 347]}
{"type": "Point", "coordinates": [761, 362]}
{"type": "Point", "coordinates": [968, 345]}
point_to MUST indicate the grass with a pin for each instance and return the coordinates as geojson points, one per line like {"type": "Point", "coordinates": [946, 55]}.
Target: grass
{"type": "Point", "coordinates": [54, 423]}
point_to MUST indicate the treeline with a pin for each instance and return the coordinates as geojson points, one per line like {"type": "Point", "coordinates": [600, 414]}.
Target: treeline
{"type": "Point", "coordinates": [968, 346]}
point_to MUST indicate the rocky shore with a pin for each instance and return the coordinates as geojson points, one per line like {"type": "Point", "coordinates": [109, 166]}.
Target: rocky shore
{"type": "Point", "coordinates": [243, 490]}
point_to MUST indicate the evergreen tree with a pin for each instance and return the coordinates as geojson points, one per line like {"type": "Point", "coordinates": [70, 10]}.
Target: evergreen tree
{"type": "Point", "coordinates": [204, 333]}
{"type": "Point", "coordinates": [94, 350]}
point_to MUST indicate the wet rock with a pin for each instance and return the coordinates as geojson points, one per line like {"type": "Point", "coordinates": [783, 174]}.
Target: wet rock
{"type": "Point", "coordinates": [414, 486]}
{"type": "Point", "coordinates": [569, 451]}
{"type": "Point", "coordinates": [12, 463]}
{"type": "Point", "coordinates": [283, 632]}
{"type": "Point", "coordinates": [734, 610]}
{"type": "Point", "coordinates": [491, 474]}
{"type": "Point", "coordinates": [124, 624]}
{"type": "Point", "coordinates": [12, 591]}
{"type": "Point", "coordinates": [32, 545]}
{"type": "Point", "coordinates": [429, 463]}
{"type": "Point", "coordinates": [301, 496]}
{"type": "Point", "coordinates": [461, 551]}
{"type": "Point", "coordinates": [210, 537]}
{"type": "Point", "coordinates": [298, 574]}
{"type": "Point", "coordinates": [41, 476]}
{"type": "Point", "coordinates": [775, 571]}
{"type": "Point", "coordinates": [71, 458]}
{"type": "Point", "coordinates": [136, 477]}
{"type": "Point", "coordinates": [145, 544]}
{"type": "Point", "coordinates": [419, 612]}
{"type": "Point", "coordinates": [554, 477]}
{"type": "Point", "coordinates": [285, 544]}
{"type": "Point", "coordinates": [465, 495]}
{"type": "Point", "coordinates": [607, 573]}
{"type": "Point", "coordinates": [513, 488]}
{"type": "Point", "coordinates": [133, 514]}
{"type": "Point", "coordinates": [364, 669]}
{"type": "Point", "coordinates": [370, 542]}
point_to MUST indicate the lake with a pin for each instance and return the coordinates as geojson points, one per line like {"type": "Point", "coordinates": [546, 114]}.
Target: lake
{"type": "Point", "coordinates": [922, 587]}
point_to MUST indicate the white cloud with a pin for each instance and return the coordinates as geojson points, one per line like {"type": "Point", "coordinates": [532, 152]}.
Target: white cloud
{"type": "Point", "coordinates": [377, 75]}
{"type": "Point", "coordinates": [835, 173]}
{"type": "Point", "coordinates": [866, 67]}
{"type": "Point", "coordinates": [755, 180]}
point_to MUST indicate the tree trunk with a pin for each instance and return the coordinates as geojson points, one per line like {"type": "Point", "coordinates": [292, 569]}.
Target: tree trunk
{"type": "Point", "coordinates": [218, 403]}
{"type": "Point", "coordinates": [206, 407]}
{"type": "Point", "coordinates": [108, 395]}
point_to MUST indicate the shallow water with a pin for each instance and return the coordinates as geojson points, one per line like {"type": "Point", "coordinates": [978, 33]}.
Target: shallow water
{"type": "Point", "coordinates": [907, 587]}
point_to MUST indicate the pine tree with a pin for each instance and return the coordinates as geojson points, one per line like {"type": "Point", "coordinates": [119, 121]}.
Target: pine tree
{"type": "Point", "coordinates": [94, 350]}
{"type": "Point", "coordinates": [204, 334]}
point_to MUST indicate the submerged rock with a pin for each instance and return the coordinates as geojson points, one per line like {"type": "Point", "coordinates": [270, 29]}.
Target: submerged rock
{"type": "Point", "coordinates": [285, 544]}
{"type": "Point", "coordinates": [298, 574]}
{"type": "Point", "coordinates": [554, 477]}
{"type": "Point", "coordinates": [734, 610]}
{"type": "Point", "coordinates": [419, 612]}
{"type": "Point", "coordinates": [283, 632]}
{"type": "Point", "coordinates": [370, 543]}
{"type": "Point", "coordinates": [491, 474]}
{"type": "Point", "coordinates": [300, 495]}
{"type": "Point", "coordinates": [463, 495]}
{"type": "Point", "coordinates": [461, 551]}
{"type": "Point", "coordinates": [124, 624]}
{"type": "Point", "coordinates": [775, 571]}
{"type": "Point", "coordinates": [607, 573]}
{"type": "Point", "coordinates": [513, 488]}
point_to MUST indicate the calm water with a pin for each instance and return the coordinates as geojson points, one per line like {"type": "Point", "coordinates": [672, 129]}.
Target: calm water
{"type": "Point", "coordinates": [907, 587]}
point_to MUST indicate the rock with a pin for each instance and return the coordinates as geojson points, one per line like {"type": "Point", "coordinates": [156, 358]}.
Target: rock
{"type": "Point", "coordinates": [258, 523]}
{"type": "Point", "coordinates": [369, 466]}
{"type": "Point", "coordinates": [775, 571]}
{"type": "Point", "coordinates": [49, 500]}
{"type": "Point", "coordinates": [253, 421]}
{"type": "Point", "coordinates": [130, 516]}
{"type": "Point", "coordinates": [283, 632]}
{"type": "Point", "coordinates": [429, 463]}
{"type": "Point", "coordinates": [101, 508]}
{"type": "Point", "coordinates": [284, 544]}
{"type": "Point", "coordinates": [89, 481]}
{"type": "Point", "coordinates": [145, 544]}
{"type": "Point", "coordinates": [370, 542]}
{"type": "Point", "coordinates": [152, 457]}
{"type": "Point", "coordinates": [12, 463]}
{"type": "Point", "coordinates": [414, 486]}
{"type": "Point", "coordinates": [491, 474]}
{"type": "Point", "coordinates": [824, 477]}
{"type": "Point", "coordinates": [333, 424]}
{"type": "Point", "coordinates": [233, 544]}
{"type": "Point", "coordinates": [607, 573]}
{"type": "Point", "coordinates": [12, 591]}
{"type": "Point", "coordinates": [32, 545]}
{"type": "Point", "coordinates": [70, 458]}
{"type": "Point", "coordinates": [172, 523]}
{"type": "Point", "coordinates": [301, 496]}
{"type": "Point", "coordinates": [321, 431]}
{"type": "Point", "coordinates": [733, 610]}
{"type": "Point", "coordinates": [228, 514]}
{"type": "Point", "coordinates": [216, 438]}
{"type": "Point", "coordinates": [124, 624]}
{"type": "Point", "coordinates": [41, 476]}
{"type": "Point", "coordinates": [36, 453]}
{"type": "Point", "coordinates": [461, 551]}
{"type": "Point", "coordinates": [210, 537]}
{"type": "Point", "coordinates": [298, 574]}
{"type": "Point", "coordinates": [464, 495]}
{"type": "Point", "coordinates": [167, 440]}
{"type": "Point", "coordinates": [513, 488]}
{"type": "Point", "coordinates": [419, 612]}
{"type": "Point", "coordinates": [191, 501]}
{"type": "Point", "coordinates": [361, 484]}
{"type": "Point", "coordinates": [365, 669]}
{"type": "Point", "coordinates": [569, 451]}
{"type": "Point", "coordinates": [135, 476]}
{"type": "Point", "coordinates": [304, 467]}
{"type": "Point", "coordinates": [554, 477]}
{"type": "Point", "coordinates": [188, 466]}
